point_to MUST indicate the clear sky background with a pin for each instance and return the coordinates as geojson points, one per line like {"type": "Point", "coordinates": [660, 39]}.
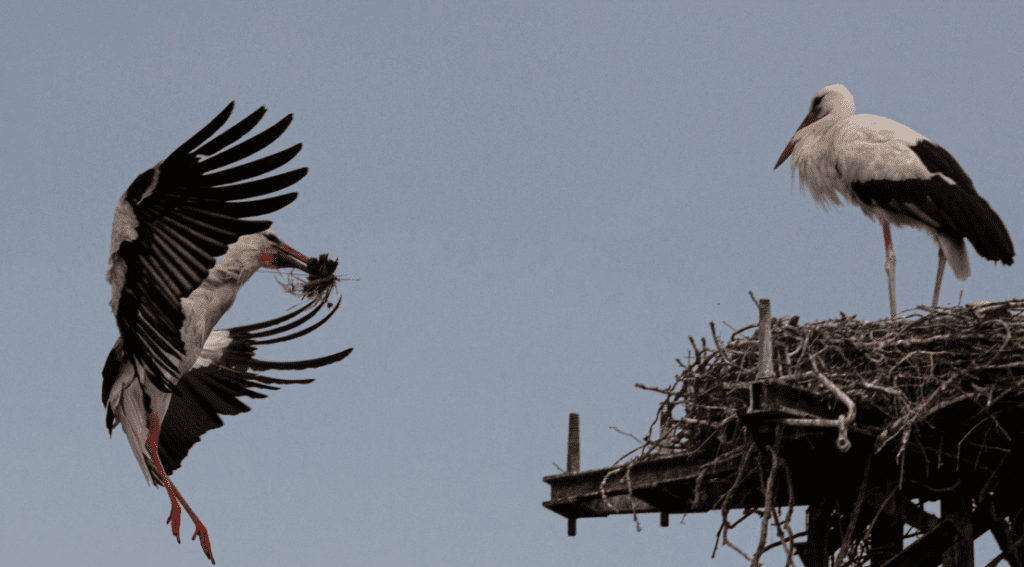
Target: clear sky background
{"type": "Point", "coordinates": [541, 202]}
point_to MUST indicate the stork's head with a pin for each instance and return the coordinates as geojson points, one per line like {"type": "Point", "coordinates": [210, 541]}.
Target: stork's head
{"type": "Point", "coordinates": [269, 251]}
{"type": "Point", "coordinates": [833, 101]}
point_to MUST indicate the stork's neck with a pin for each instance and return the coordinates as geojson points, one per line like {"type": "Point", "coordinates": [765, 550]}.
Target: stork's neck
{"type": "Point", "coordinates": [235, 269]}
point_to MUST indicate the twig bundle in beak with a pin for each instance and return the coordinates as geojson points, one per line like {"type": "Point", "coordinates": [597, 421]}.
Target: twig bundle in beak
{"type": "Point", "coordinates": [320, 282]}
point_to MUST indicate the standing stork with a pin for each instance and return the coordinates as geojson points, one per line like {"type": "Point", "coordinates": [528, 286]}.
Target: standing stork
{"type": "Point", "coordinates": [897, 176]}
{"type": "Point", "coordinates": [170, 373]}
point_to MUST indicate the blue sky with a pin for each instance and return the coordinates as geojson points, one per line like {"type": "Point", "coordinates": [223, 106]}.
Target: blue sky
{"type": "Point", "coordinates": [541, 202]}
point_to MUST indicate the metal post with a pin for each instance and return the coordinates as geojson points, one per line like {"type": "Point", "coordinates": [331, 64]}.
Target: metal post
{"type": "Point", "coordinates": [765, 367]}
{"type": "Point", "coordinates": [572, 463]}
{"type": "Point", "coordinates": [664, 436]}
{"type": "Point", "coordinates": [886, 539]}
{"type": "Point", "coordinates": [664, 428]}
{"type": "Point", "coordinates": [957, 510]}
{"type": "Point", "coordinates": [819, 517]}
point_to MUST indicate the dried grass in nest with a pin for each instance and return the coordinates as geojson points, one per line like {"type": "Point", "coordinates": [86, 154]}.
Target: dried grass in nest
{"type": "Point", "coordinates": [318, 284]}
{"type": "Point", "coordinates": [908, 373]}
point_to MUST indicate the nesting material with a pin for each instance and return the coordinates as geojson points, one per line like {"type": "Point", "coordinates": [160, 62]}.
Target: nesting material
{"type": "Point", "coordinates": [956, 371]}
{"type": "Point", "coordinates": [318, 284]}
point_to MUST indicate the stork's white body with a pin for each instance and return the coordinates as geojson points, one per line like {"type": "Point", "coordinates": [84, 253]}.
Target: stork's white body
{"type": "Point", "coordinates": [897, 176]}
{"type": "Point", "coordinates": [202, 309]}
{"type": "Point", "coordinates": [170, 375]}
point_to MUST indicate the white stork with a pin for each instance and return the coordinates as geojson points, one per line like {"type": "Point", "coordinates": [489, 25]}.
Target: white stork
{"type": "Point", "coordinates": [897, 176]}
{"type": "Point", "coordinates": [170, 373]}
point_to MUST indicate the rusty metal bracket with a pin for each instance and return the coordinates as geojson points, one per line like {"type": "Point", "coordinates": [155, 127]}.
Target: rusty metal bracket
{"type": "Point", "coordinates": [843, 422]}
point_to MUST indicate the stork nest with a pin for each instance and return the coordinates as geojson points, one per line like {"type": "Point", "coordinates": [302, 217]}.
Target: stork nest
{"type": "Point", "coordinates": [932, 386]}
{"type": "Point", "coordinates": [318, 284]}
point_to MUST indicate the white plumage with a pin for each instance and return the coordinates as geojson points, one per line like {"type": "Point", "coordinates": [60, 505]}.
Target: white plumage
{"type": "Point", "coordinates": [170, 375]}
{"type": "Point", "coordinates": [895, 176]}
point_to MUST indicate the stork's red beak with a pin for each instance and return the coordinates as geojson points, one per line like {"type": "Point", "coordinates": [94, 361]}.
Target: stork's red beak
{"type": "Point", "coordinates": [280, 255]}
{"type": "Point", "coordinates": [289, 257]}
{"type": "Point", "coordinates": [785, 154]}
{"type": "Point", "coordinates": [808, 120]}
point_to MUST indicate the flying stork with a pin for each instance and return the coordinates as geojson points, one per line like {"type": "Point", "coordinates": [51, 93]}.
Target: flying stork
{"type": "Point", "coordinates": [170, 374]}
{"type": "Point", "coordinates": [896, 176]}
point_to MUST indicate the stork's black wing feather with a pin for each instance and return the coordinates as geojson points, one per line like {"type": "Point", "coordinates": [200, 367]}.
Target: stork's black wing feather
{"type": "Point", "coordinates": [222, 376]}
{"type": "Point", "coordinates": [954, 209]}
{"type": "Point", "coordinates": [171, 224]}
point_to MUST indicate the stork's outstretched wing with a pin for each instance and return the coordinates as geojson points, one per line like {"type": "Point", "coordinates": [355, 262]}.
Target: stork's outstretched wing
{"type": "Point", "coordinates": [221, 376]}
{"type": "Point", "coordinates": [173, 221]}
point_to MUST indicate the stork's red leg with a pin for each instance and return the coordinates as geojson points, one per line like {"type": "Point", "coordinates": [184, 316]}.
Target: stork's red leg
{"type": "Point", "coordinates": [152, 443]}
{"type": "Point", "coordinates": [938, 278]}
{"type": "Point", "coordinates": [204, 536]}
{"type": "Point", "coordinates": [890, 268]}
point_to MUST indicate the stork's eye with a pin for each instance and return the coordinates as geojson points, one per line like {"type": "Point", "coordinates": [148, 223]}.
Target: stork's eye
{"type": "Point", "coordinates": [273, 238]}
